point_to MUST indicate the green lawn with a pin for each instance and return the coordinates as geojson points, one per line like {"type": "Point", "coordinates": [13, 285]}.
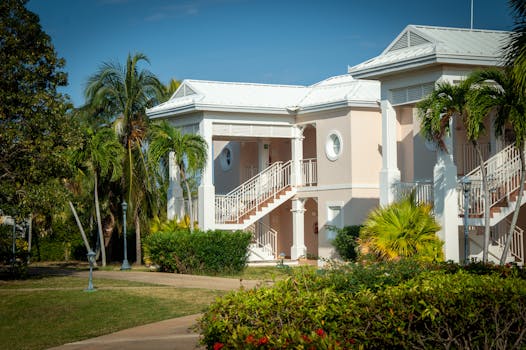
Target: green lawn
{"type": "Point", "coordinates": [44, 312]}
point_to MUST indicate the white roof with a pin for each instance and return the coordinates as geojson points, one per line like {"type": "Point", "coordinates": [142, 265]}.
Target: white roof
{"type": "Point", "coordinates": [201, 95]}
{"type": "Point", "coordinates": [425, 45]}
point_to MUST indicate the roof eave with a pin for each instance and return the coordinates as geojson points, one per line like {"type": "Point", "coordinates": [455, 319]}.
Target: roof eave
{"type": "Point", "coordinates": [338, 104]}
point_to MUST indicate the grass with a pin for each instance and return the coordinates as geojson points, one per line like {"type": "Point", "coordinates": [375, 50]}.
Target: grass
{"type": "Point", "coordinates": [44, 312]}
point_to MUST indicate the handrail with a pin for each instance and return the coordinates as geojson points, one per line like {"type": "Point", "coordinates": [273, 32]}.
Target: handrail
{"type": "Point", "coordinates": [423, 191]}
{"type": "Point", "coordinates": [265, 237]}
{"type": "Point", "coordinates": [503, 172]}
{"type": "Point", "coordinates": [252, 193]}
{"type": "Point", "coordinates": [500, 233]}
{"type": "Point", "coordinates": [309, 172]}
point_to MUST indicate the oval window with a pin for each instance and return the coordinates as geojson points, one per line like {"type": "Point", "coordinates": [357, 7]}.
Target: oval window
{"type": "Point", "coordinates": [333, 147]}
{"type": "Point", "coordinates": [226, 158]}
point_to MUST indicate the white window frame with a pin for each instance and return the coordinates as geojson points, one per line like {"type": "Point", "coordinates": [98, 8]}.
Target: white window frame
{"type": "Point", "coordinates": [329, 145]}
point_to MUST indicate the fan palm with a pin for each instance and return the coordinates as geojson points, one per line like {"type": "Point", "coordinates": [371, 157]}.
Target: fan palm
{"type": "Point", "coordinates": [449, 101]}
{"type": "Point", "coordinates": [497, 93]}
{"type": "Point", "coordinates": [125, 93]}
{"type": "Point", "coordinates": [100, 155]}
{"type": "Point", "coordinates": [515, 51]}
{"type": "Point", "coordinates": [190, 152]}
{"type": "Point", "coordinates": [402, 229]}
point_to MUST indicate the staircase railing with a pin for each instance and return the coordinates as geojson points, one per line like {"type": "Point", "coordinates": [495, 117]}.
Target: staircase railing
{"type": "Point", "coordinates": [265, 237]}
{"type": "Point", "coordinates": [503, 172]}
{"type": "Point", "coordinates": [247, 197]}
{"type": "Point", "coordinates": [499, 233]}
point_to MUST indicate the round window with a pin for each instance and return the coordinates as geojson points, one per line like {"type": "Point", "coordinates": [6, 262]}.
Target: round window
{"type": "Point", "coordinates": [226, 158]}
{"type": "Point", "coordinates": [333, 147]}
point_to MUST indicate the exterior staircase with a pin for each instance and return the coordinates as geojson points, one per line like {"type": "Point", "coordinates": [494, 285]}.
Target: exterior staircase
{"type": "Point", "coordinates": [264, 242]}
{"type": "Point", "coordinates": [255, 198]}
{"type": "Point", "coordinates": [503, 171]}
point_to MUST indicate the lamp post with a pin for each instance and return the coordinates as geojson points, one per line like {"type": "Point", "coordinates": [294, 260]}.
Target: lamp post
{"type": "Point", "coordinates": [91, 259]}
{"type": "Point", "coordinates": [466, 187]}
{"type": "Point", "coordinates": [125, 264]}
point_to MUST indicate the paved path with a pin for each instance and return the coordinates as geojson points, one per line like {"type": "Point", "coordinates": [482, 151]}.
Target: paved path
{"type": "Point", "coordinates": [173, 334]}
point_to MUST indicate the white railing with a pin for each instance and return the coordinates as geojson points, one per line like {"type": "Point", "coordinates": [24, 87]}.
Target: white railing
{"type": "Point", "coordinates": [248, 197]}
{"type": "Point", "coordinates": [265, 237]}
{"type": "Point", "coordinates": [470, 159]}
{"type": "Point", "coordinates": [499, 233]}
{"type": "Point", "coordinates": [309, 172]}
{"type": "Point", "coordinates": [503, 171]}
{"type": "Point", "coordinates": [423, 191]}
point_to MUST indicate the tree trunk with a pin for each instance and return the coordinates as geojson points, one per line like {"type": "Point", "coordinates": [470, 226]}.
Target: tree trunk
{"type": "Point", "coordinates": [80, 226]}
{"type": "Point", "coordinates": [485, 189]}
{"type": "Point", "coordinates": [517, 208]}
{"type": "Point", "coordinates": [189, 196]}
{"type": "Point", "coordinates": [99, 222]}
{"type": "Point", "coordinates": [137, 223]}
{"type": "Point", "coordinates": [29, 237]}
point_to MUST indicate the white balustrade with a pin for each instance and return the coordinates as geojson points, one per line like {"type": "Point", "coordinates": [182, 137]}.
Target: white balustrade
{"type": "Point", "coordinates": [309, 172]}
{"type": "Point", "coordinates": [423, 191]}
{"type": "Point", "coordinates": [265, 237]}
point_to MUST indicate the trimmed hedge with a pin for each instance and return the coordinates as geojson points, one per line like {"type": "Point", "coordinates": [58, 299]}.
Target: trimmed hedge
{"type": "Point", "coordinates": [199, 252]}
{"type": "Point", "coordinates": [435, 309]}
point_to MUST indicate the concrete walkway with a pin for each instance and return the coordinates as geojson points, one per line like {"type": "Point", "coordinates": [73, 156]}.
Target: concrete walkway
{"type": "Point", "coordinates": [173, 334]}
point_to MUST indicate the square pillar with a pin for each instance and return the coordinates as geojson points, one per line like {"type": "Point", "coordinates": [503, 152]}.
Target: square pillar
{"type": "Point", "coordinates": [206, 188]}
{"type": "Point", "coordinates": [175, 208]}
{"type": "Point", "coordinates": [446, 200]}
{"type": "Point", "coordinates": [298, 248]}
{"type": "Point", "coordinates": [389, 174]}
{"type": "Point", "coordinates": [297, 156]}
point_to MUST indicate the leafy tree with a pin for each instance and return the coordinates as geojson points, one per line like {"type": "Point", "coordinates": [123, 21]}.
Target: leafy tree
{"type": "Point", "coordinates": [35, 126]}
{"type": "Point", "coordinates": [402, 229]}
{"type": "Point", "coordinates": [189, 151]}
{"type": "Point", "coordinates": [449, 101]}
{"type": "Point", "coordinates": [100, 155]}
{"type": "Point", "coordinates": [125, 93]}
{"type": "Point", "coordinates": [515, 51]}
{"type": "Point", "coordinates": [497, 94]}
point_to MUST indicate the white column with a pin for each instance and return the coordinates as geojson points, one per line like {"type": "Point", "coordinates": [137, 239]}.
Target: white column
{"type": "Point", "coordinates": [297, 156]}
{"type": "Point", "coordinates": [206, 188]}
{"type": "Point", "coordinates": [446, 200]}
{"type": "Point", "coordinates": [175, 208]}
{"type": "Point", "coordinates": [298, 248]}
{"type": "Point", "coordinates": [389, 173]}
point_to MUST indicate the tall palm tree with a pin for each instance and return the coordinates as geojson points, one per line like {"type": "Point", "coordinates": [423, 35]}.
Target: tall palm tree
{"type": "Point", "coordinates": [101, 155]}
{"type": "Point", "coordinates": [125, 93]}
{"type": "Point", "coordinates": [515, 51]}
{"type": "Point", "coordinates": [402, 229]}
{"type": "Point", "coordinates": [497, 93]}
{"type": "Point", "coordinates": [190, 152]}
{"type": "Point", "coordinates": [449, 101]}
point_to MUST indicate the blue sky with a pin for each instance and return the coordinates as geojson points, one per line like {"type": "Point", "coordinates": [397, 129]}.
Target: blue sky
{"type": "Point", "coordinates": [265, 41]}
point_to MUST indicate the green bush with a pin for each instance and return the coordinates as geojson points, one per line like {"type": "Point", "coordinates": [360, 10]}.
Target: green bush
{"type": "Point", "coordinates": [346, 242]}
{"type": "Point", "coordinates": [199, 252]}
{"type": "Point", "coordinates": [429, 310]}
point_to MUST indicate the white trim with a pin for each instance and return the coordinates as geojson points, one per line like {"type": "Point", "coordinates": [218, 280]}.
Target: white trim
{"type": "Point", "coordinates": [223, 161]}
{"type": "Point", "coordinates": [329, 145]}
{"type": "Point", "coordinates": [348, 186]}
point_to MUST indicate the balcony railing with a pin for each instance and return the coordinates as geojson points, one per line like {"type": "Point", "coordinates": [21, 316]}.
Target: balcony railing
{"type": "Point", "coordinates": [423, 191]}
{"type": "Point", "coordinates": [309, 172]}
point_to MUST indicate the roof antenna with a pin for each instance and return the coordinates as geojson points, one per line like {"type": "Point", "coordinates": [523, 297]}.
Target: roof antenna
{"type": "Point", "coordinates": [471, 14]}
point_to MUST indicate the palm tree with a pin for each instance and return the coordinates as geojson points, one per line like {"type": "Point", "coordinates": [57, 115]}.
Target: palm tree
{"type": "Point", "coordinates": [190, 152]}
{"type": "Point", "coordinates": [402, 229]}
{"type": "Point", "coordinates": [169, 89]}
{"type": "Point", "coordinates": [502, 98]}
{"type": "Point", "coordinates": [450, 101]}
{"type": "Point", "coordinates": [101, 154]}
{"type": "Point", "coordinates": [515, 51]}
{"type": "Point", "coordinates": [125, 93]}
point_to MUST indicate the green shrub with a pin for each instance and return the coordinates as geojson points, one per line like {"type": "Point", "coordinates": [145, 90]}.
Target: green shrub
{"type": "Point", "coordinates": [434, 309]}
{"type": "Point", "coordinates": [199, 252]}
{"type": "Point", "coordinates": [346, 242]}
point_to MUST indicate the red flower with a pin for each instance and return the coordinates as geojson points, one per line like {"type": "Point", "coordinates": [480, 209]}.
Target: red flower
{"type": "Point", "coordinates": [262, 341]}
{"type": "Point", "coordinates": [250, 339]}
{"type": "Point", "coordinates": [306, 338]}
{"type": "Point", "coordinates": [218, 346]}
{"type": "Point", "coordinates": [320, 332]}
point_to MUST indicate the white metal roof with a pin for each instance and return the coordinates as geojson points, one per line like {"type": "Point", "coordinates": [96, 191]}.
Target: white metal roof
{"type": "Point", "coordinates": [425, 45]}
{"type": "Point", "coordinates": [201, 95]}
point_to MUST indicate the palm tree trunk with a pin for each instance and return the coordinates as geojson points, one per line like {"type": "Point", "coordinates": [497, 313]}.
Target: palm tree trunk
{"type": "Point", "coordinates": [189, 196]}
{"type": "Point", "coordinates": [485, 189]}
{"type": "Point", "coordinates": [88, 248]}
{"type": "Point", "coordinates": [517, 208]}
{"type": "Point", "coordinates": [99, 222]}
{"type": "Point", "coordinates": [137, 223]}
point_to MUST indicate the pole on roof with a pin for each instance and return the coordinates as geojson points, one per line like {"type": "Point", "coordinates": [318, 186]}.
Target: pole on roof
{"type": "Point", "coordinates": [471, 14]}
